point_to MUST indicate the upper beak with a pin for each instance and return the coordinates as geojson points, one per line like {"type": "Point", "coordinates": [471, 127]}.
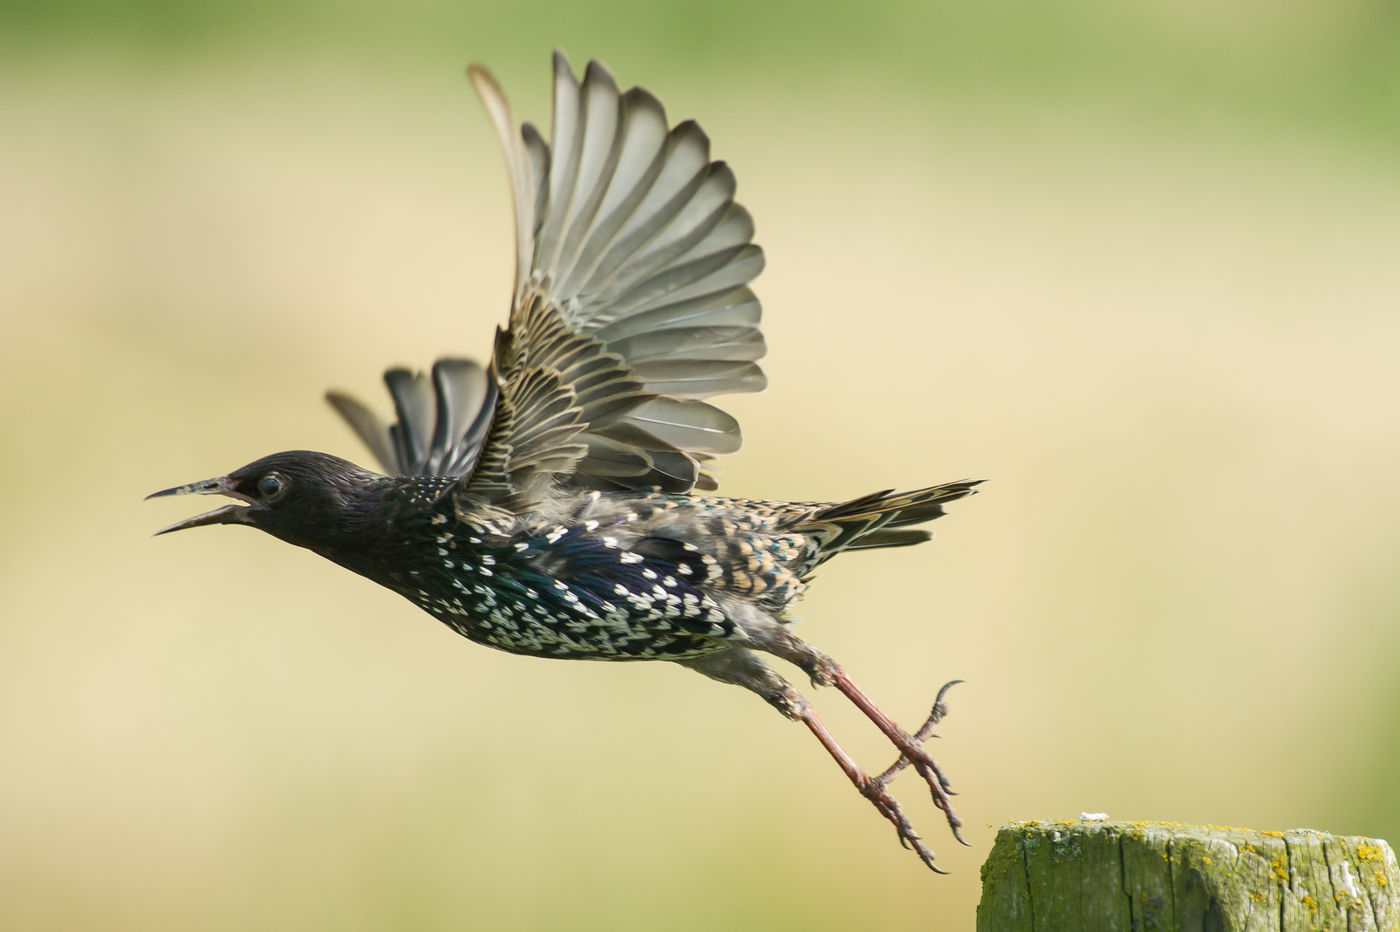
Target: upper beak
{"type": "Point", "coordinates": [228, 514]}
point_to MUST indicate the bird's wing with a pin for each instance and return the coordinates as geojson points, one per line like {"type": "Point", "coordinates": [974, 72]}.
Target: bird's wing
{"type": "Point", "coordinates": [441, 422]}
{"type": "Point", "coordinates": [631, 302]}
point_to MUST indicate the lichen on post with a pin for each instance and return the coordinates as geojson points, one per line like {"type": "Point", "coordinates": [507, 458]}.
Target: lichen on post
{"type": "Point", "coordinates": [1094, 875]}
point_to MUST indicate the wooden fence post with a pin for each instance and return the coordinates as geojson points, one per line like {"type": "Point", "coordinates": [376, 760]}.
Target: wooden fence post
{"type": "Point", "coordinates": [1091, 875]}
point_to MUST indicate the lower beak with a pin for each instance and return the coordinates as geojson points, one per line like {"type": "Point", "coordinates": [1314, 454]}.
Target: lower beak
{"type": "Point", "coordinates": [228, 514]}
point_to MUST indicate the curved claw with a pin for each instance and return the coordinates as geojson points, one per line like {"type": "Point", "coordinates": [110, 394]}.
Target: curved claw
{"type": "Point", "coordinates": [910, 841]}
{"type": "Point", "coordinates": [938, 699]}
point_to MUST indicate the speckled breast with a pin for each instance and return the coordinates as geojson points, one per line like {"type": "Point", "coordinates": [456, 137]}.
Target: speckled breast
{"type": "Point", "coordinates": [572, 592]}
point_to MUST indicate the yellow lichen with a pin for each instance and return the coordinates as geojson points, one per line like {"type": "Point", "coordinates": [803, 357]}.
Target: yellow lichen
{"type": "Point", "coordinates": [1249, 848]}
{"type": "Point", "coordinates": [1272, 834]}
{"type": "Point", "coordinates": [1368, 852]}
{"type": "Point", "coordinates": [1310, 902]}
{"type": "Point", "coordinates": [1380, 877]}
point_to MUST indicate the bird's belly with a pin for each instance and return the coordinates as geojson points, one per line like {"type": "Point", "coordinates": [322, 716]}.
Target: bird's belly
{"type": "Point", "coordinates": [552, 620]}
{"type": "Point", "coordinates": [542, 635]}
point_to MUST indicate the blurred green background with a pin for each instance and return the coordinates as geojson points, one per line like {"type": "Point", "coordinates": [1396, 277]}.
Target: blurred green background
{"type": "Point", "coordinates": [1135, 264]}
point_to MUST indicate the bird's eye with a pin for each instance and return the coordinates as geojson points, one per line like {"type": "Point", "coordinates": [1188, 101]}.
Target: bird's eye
{"type": "Point", "coordinates": [272, 487]}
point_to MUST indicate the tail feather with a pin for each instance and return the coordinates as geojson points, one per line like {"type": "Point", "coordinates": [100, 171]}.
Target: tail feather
{"type": "Point", "coordinates": [882, 519]}
{"type": "Point", "coordinates": [889, 537]}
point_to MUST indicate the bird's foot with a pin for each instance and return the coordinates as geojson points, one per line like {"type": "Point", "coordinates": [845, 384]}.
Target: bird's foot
{"type": "Point", "coordinates": [889, 807]}
{"type": "Point", "coordinates": [876, 789]}
{"type": "Point", "coordinates": [872, 788]}
{"type": "Point", "coordinates": [825, 671]}
{"type": "Point", "coordinates": [925, 765]}
{"type": "Point", "coordinates": [744, 668]}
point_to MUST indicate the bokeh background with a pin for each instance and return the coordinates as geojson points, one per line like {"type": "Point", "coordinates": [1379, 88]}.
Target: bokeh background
{"type": "Point", "coordinates": [1134, 264]}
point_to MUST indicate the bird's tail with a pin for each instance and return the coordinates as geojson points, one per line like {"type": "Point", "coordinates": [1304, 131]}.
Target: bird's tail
{"type": "Point", "coordinates": [882, 519]}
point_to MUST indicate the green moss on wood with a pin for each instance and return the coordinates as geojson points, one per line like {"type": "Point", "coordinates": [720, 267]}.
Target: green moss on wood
{"type": "Point", "coordinates": [1160, 875]}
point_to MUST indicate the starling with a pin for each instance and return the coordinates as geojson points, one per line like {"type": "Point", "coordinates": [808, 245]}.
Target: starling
{"type": "Point", "coordinates": [550, 503]}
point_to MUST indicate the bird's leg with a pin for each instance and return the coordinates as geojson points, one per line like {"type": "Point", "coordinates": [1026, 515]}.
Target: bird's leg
{"type": "Point", "coordinates": [824, 671]}
{"type": "Point", "coordinates": [872, 788]}
{"type": "Point", "coordinates": [743, 667]}
{"type": "Point", "coordinates": [910, 747]}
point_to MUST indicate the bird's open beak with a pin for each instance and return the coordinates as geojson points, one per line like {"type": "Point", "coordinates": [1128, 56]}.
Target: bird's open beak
{"type": "Point", "coordinates": [228, 514]}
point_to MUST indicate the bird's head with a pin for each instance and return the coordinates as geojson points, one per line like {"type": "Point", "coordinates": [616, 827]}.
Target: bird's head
{"type": "Point", "coordinates": [312, 500]}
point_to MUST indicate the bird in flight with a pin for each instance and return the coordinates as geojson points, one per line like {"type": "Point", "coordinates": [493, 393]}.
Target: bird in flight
{"type": "Point", "coordinates": [555, 503]}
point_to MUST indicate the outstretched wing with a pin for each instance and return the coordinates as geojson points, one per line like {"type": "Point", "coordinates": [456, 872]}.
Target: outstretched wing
{"type": "Point", "coordinates": [631, 302]}
{"type": "Point", "coordinates": [631, 305]}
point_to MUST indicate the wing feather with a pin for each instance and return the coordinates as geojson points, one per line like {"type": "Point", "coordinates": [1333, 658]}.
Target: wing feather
{"type": "Point", "coordinates": [522, 162]}
{"type": "Point", "coordinates": [440, 419]}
